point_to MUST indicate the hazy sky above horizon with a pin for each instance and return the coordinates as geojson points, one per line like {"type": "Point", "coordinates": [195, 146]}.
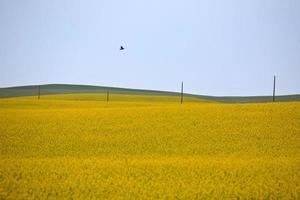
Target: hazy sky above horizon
{"type": "Point", "coordinates": [216, 47]}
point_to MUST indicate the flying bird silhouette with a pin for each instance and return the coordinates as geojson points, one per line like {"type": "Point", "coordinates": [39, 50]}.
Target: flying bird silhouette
{"type": "Point", "coordinates": [121, 48]}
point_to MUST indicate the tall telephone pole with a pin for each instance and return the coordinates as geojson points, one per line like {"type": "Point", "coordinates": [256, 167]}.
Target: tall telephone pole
{"type": "Point", "coordinates": [274, 85]}
{"type": "Point", "coordinates": [181, 99]}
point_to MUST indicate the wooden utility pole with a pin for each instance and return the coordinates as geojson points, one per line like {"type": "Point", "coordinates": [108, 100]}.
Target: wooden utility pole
{"type": "Point", "coordinates": [274, 85]}
{"type": "Point", "coordinates": [39, 91]}
{"type": "Point", "coordinates": [181, 99]}
{"type": "Point", "coordinates": [107, 96]}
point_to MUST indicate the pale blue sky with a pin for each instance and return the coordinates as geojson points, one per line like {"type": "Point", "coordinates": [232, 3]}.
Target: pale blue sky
{"type": "Point", "coordinates": [216, 47]}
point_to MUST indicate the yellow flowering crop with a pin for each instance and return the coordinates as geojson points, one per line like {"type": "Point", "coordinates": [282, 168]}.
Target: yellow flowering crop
{"type": "Point", "coordinates": [79, 146]}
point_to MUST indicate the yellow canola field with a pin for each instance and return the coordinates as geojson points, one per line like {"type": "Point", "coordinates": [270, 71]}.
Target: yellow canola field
{"type": "Point", "coordinates": [78, 146]}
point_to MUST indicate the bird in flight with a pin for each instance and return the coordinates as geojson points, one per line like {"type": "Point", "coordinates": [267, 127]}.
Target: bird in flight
{"type": "Point", "coordinates": [121, 48]}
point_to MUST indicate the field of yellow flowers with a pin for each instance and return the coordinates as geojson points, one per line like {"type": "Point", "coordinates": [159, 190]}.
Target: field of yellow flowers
{"type": "Point", "coordinates": [79, 146]}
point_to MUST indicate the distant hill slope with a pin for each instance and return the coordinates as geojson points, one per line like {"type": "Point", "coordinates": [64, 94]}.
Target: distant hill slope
{"type": "Point", "coordinates": [68, 89]}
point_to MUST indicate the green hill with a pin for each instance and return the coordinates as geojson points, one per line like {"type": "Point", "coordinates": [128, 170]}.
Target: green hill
{"type": "Point", "coordinates": [71, 89]}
